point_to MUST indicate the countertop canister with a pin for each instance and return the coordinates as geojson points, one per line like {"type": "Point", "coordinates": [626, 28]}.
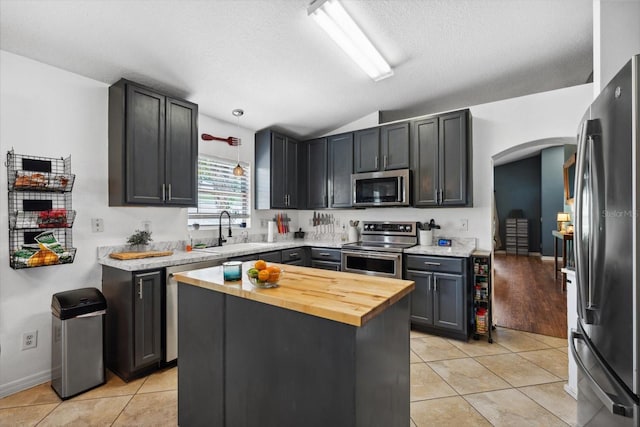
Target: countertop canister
{"type": "Point", "coordinates": [425, 237]}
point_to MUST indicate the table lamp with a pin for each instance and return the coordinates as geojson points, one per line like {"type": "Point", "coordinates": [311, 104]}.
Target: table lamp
{"type": "Point", "coordinates": [563, 218]}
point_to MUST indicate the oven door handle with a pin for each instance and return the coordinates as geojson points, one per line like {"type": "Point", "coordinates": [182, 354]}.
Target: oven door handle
{"type": "Point", "coordinates": [375, 255]}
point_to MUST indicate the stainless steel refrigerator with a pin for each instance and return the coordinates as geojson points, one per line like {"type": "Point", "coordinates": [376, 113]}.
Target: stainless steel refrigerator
{"type": "Point", "coordinates": [606, 344]}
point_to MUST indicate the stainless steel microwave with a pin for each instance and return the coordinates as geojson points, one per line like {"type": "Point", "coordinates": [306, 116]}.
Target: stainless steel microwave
{"type": "Point", "coordinates": [380, 189]}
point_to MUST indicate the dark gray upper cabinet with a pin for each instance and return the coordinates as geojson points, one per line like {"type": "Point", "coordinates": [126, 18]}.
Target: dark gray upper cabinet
{"type": "Point", "coordinates": [381, 148]}
{"type": "Point", "coordinates": [340, 168]}
{"type": "Point", "coordinates": [441, 161]}
{"type": "Point", "coordinates": [153, 148]}
{"type": "Point", "coordinates": [395, 146]}
{"type": "Point", "coordinates": [276, 174]}
{"type": "Point", "coordinates": [316, 161]}
{"type": "Point", "coordinates": [182, 153]}
{"type": "Point", "coordinates": [366, 150]}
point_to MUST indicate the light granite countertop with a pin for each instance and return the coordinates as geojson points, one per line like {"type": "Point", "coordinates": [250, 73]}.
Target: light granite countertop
{"type": "Point", "coordinates": [221, 253]}
{"type": "Point", "coordinates": [460, 247]}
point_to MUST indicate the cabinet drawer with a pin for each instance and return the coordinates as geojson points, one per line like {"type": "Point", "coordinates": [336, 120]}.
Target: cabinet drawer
{"type": "Point", "coordinates": [435, 263]}
{"type": "Point", "coordinates": [293, 254]}
{"type": "Point", "coordinates": [273, 256]}
{"type": "Point", "coordinates": [325, 265]}
{"type": "Point", "coordinates": [325, 254]}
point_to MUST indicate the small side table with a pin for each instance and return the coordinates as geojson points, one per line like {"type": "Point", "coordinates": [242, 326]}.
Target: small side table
{"type": "Point", "coordinates": [564, 238]}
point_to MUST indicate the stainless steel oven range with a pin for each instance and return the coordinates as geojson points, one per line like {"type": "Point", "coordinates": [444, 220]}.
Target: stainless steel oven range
{"type": "Point", "coordinates": [379, 253]}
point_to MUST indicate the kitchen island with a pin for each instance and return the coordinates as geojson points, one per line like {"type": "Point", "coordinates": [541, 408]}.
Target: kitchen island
{"type": "Point", "coordinates": [323, 348]}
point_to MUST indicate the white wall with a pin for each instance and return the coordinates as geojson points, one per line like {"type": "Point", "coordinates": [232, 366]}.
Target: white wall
{"type": "Point", "coordinates": [46, 111]}
{"type": "Point", "coordinates": [616, 37]}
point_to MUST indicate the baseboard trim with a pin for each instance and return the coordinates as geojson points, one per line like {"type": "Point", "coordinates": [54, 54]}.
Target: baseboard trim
{"type": "Point", "coordinates": [571, 391]}
{"type": "Point", "coordinates": [25, 383]}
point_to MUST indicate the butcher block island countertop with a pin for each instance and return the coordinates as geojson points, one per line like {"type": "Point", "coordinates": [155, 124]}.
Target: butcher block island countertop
{"type": "Point", "coordinates": [324, 348]}
{"type": "Point", "coordinates": [349, 298]}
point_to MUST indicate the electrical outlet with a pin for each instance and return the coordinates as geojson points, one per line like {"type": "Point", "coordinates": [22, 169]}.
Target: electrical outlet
{"type": "Point", "coordinates": [29, 340]}
{"type": "Point", "coordinates": [97, 225]}
{"type": "Point", "coordinates": [464, 225]}
{"type": "Point", "coordinates": [146, 225]}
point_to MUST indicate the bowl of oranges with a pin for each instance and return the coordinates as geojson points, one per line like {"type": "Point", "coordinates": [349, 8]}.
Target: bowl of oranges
{"type": "Point", "coordinates": [262, 275]}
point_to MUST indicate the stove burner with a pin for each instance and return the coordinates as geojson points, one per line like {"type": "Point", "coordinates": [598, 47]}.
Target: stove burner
{"type": "Point", "coordinates": [386, 237]}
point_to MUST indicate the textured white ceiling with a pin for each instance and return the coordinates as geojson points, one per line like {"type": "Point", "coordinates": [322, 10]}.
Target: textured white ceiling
{"type": "Point", "coordinates": [269, 58]}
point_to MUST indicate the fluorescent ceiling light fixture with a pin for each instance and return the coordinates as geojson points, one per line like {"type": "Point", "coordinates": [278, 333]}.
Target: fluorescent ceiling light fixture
{"type": "Point", "coordinates": [332, 17]}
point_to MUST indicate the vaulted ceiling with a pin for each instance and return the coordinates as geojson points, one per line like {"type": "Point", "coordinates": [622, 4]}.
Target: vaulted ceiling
{"type": "Point", "coordinates": [269, 58]}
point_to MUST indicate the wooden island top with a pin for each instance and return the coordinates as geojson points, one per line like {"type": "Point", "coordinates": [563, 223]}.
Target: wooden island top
{"type": "Point", "coordinates": [348, 298]}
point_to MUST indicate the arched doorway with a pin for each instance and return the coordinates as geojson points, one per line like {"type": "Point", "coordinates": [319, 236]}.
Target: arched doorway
{"type": "Point", "coordinates": [528, 184]}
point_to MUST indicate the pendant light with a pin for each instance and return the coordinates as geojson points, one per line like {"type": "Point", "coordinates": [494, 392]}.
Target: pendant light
{"type": "Point", "coordinates": [238, 171]}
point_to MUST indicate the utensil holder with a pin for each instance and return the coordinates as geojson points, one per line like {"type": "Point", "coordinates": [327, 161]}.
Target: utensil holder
{"type": "Point", "coordinates": [425, 237]}
{"type": "Point", "coordinates": [353, 234]}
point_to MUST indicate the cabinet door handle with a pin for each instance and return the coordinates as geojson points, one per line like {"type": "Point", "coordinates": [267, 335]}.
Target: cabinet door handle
{"type": "Point", "coordinates": [324, 254]}
{"type": "Point", "coordinates": [293, 255]}
{"type": "Point", "coordinates": [376, 162]}
{"type": "Point", "coordinates": [333, 200]}
{"type": "Point", "coordinates": [140, 288]}
{"type": "Point", "coordinates": [164, 198]}
{"type": "Point", "coordinates": [435, 284]}
{"type": "Point", "coordinates": [432, 263]}
{"type": "Point", "coordinates": [169, 192]}
{"type": "Point", "coordinates": [384, 162]}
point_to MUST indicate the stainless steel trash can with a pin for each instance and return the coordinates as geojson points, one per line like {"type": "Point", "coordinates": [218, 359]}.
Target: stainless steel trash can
{"type": "Point", "coordinates": [77, 349]}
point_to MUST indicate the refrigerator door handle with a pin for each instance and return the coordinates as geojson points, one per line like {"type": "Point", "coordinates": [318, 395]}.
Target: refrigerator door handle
{"type": "Point", "coordinates": [582, 277]}
{"type": "Point", "coordinates": [591, 308]}
{"type": "Point", "coordinates": [614, 407]}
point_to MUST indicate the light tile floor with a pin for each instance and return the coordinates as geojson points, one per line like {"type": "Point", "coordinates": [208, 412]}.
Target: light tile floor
{"type": "Point", "coordinates": [516, 381]}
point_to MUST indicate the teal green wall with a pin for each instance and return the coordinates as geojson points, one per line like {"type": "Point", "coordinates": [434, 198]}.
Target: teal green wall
{"type": "Point", "coordinates": [552, 194]}
{"type": "Point", "coordinates": [517, 186]}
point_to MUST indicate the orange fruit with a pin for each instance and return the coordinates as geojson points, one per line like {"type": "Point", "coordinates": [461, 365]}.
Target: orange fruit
{"type": "Point", "coordinates": [263, 275]}
{"type": "Point", "coordinates": [260, 264]}
{"type": "Point", "coordinates": [274, 273]}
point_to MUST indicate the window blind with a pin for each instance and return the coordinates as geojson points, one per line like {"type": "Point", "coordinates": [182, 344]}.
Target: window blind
{"type": "Point", "coordinates": [218, 190]}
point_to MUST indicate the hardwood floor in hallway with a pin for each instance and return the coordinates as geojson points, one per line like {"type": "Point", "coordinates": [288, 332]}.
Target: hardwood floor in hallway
{"type": "Point", "coordinates": [527, 296]}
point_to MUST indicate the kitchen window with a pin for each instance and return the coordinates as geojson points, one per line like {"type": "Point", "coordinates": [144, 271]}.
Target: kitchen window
{"type": "Point", "coordinates": [218, 190]}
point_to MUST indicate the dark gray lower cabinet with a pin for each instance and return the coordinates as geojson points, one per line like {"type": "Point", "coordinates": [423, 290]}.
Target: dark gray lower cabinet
{"type": "Point", "coordinates": [273, 256]}
{"type": "Point", "coordinates": [440, 301]}
{"type": "Point", "coordinates": [294, 256]}
{"type": "Point", "coordinates": [243, 258]}
{"type": "Point", "coordinates": [246, 363]}
{"type": "Point", "coordinates": [326, 258]}
{"type": "Point", "coordinates": [133, 324]}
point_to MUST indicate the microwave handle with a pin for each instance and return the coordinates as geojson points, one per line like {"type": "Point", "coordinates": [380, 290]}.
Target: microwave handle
{"type": "Point", "coordinates": [400, 197]}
